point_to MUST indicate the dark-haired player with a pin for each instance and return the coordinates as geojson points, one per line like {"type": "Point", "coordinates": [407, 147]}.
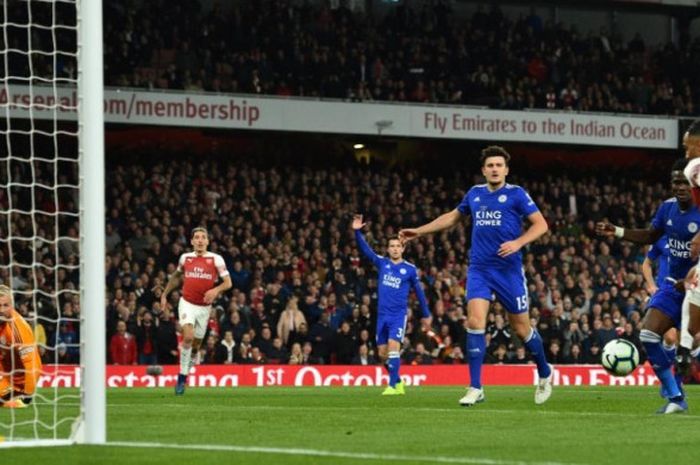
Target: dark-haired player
{"type": "Point", "coordinates": [679, 220]}
{"type": "Point", "coordinates": [495, 264]}
{"type": "Point", "coordinates": [199, 271]}
{"type": "Point", "coordinates": [396, 277]}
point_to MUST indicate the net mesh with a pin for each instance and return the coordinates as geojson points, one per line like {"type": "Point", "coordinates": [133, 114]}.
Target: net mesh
{"type": "Point", "coordinates": [39, 201]}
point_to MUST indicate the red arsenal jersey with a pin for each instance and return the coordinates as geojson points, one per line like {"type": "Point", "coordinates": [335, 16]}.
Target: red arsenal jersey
{"type": "Point", "coordinates": [695, 191]}
{"type": "Point", "coordinates": [200, 274]}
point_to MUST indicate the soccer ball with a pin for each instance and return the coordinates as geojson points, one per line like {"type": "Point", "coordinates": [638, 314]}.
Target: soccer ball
{"type": "Point", "coordinates": [620, 357]}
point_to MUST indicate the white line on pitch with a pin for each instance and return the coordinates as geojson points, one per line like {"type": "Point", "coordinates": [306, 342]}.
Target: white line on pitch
{"type": "Point", "coordinates": [330, 453]}
{"type": "Point", "coordinates": [461, 410]}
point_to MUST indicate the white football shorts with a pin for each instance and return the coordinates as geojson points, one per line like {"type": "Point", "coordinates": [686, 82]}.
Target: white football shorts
{"type": "Point", "coordinates": [195, 315]}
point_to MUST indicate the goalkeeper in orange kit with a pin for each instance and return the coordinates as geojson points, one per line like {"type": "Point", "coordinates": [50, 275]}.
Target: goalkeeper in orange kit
{"type": "Point", "coordinates": [20, 363]}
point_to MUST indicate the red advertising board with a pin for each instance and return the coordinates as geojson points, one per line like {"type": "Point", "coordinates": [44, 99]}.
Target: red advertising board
{"type": "Point", "coordinates": [343, 375]}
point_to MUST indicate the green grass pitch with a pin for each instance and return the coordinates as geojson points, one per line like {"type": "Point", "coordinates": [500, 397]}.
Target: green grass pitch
{"type": "Point", "coordinates": [579, 425]}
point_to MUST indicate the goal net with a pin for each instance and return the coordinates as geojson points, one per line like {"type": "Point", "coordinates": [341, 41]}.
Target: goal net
{"type": "Point", "coordinates": [43, 212]}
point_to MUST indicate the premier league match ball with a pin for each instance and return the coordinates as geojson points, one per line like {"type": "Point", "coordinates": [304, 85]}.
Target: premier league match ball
{"type": "Point", "coordinates": [620, 357]}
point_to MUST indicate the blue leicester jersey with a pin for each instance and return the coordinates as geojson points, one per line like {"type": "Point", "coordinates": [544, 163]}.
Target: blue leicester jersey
{"type": "Point", "coordinates": [679, 227]}
{"type": "Point", "coordinates": [658, 253]}
{"type": "Point", "coordinates": [394, 282]}
{"type": "Point", "coordinates": [497, 217]}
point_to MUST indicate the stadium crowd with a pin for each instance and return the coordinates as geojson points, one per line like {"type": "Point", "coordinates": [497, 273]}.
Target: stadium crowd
{"type": "Point", "coordinates": [302, 292]}
{"type": "Point", "coordinates": [424, 55]}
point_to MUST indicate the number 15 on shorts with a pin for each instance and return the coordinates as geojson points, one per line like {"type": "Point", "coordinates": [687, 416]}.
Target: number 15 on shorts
{"type": "Point", "coordinates": [522, 303]}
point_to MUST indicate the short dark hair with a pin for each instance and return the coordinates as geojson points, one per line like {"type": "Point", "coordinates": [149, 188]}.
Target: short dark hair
{"type": "Point", "coordinates": [200, 229]}
{"type": "Point", "coordinates": [494, 151]}
{"type": "Point", "coordinates": [394, 237]}
{"type": "Point", "coordinates": [679, 165]}
{"type": "Point", "coordinates": [694, 128]}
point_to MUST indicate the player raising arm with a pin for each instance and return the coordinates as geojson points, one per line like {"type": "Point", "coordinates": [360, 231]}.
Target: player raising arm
{"type": "Point", "coordinates": [21, 364]}
{"type": "Point", "coordinates": [199, 271]}
{"type": "Point", "coordinates": [679, 220]}
{"type": "Point", "coordinates": [495, 264]}
{"type": "Point", "coordinates": [396, 277]}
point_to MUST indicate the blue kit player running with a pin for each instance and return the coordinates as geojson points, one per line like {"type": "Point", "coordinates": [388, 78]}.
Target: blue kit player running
{"type": "Point", "coordinates": [495, 264]}
{"type": "Point", "coordinates": [658, 253]}
{"type": "Point", "coordinates": [679, 220]}
{"type": "Point", "coordinates": [396, 277]}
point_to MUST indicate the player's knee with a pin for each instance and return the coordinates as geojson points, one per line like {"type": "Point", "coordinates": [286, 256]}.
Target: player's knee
{"type": "Point", "coordinates": [523, 333]}
{"type": "Point", "coordinates": [474, 322]}
{"type": "Point", "coordinates": [694, 327]}
{"type": "Point", "coordinates": [670, 338]}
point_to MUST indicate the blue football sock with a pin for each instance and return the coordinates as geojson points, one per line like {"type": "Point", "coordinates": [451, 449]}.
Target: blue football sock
{"type": "Point", "coordinates": [534, 344]}
{"type": "Point", "coordinates": [476, 350]}
{"type": "Point", "coordinates": [660, 362]}
{"type": "Point", "coordinates": [393, 365]}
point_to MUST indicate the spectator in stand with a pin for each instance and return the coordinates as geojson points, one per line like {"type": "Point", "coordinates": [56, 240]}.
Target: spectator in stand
{"type": "Point", "coordinates": [63, 357]}
{"type": "Point", "coordinates": [264, 341]}
{"type": "Point", "coordinates": [575, 355]}
{"type": "Point", "coordinates": [226, 350]}
{"type": "Point", "coordinates": [210, 350]}
{"type": "Point", "coordinates": [166, 339]}
{"type": "Point", "coordinates": [299, 232]}
{"type": "Point", "coordinates": [236, 325]}
{"type": "Point", "coordinates": [122, 347]}
{"type": "Point", "coordinates": [419, 356]}
{"type": "Point", "coordinates": [521, 357]}
{"type": "Point", "coordinates": [363, 356]}
{"type": "Point", "coordinates": [146, 338]}
{"type": "Point", "coordinates": [498, 356]}
{"type": "Point", "coordinates": [606, 332]}
{"type": "Point", "coordinates": [301, 335]}
{"type": "Point", "coordinates": [290, 320]}
{"type": "Point", "coordinates": [593, 71]}
{"type": "Point", "coordinates": [593, 356]}
{"type": "Point", "coordinates": [322, 337]}
{"type": "Point", "coordinates": [345, 344]}
{"type": "Point", "coordinates": [296, 357]}
{"type": "Point", "coordinates": [308, 357]}
{"type": "Point", "coordinates": [554, 352]}
{"type": "Point", "coordinates": [279, 353]}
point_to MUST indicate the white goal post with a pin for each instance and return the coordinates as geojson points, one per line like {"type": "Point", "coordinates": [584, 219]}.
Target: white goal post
{"type": "Point", "coordinates": [52, 184]}
{"type": "Point", "coordinates": [92, 220]}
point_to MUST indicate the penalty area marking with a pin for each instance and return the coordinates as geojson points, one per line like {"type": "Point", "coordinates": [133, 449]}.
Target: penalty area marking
{"type": "Point", "coordinates": [330, 453]}
{"type": "Point", "coordinates": [456, 409]}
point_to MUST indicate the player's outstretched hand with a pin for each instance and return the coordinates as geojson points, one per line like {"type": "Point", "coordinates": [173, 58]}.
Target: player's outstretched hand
{"type": "Point", "coordinates": [651, 288]}
{"type": "Point", "coordinates": [211, 295]}
{"type": "Point", "coordinates": [406, 235]}
{"type": "Point", "coordinates": [508, 248]}
{"type": "Point", "coordinates": [426, 323]}
{"type": "Point", "coordinates": [357, 222]}
{"type": "Point", "coordinates": [604, 229]}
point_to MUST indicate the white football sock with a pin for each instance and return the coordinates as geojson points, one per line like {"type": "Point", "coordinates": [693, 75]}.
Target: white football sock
{"type": "Point", "coordinates": [185, 359]}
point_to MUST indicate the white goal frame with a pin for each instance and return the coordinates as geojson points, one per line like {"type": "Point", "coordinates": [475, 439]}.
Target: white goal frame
{"type": "Point", "coordinates": [92, 429]}
{"type": "Point", "coordinates": [90, 425]}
